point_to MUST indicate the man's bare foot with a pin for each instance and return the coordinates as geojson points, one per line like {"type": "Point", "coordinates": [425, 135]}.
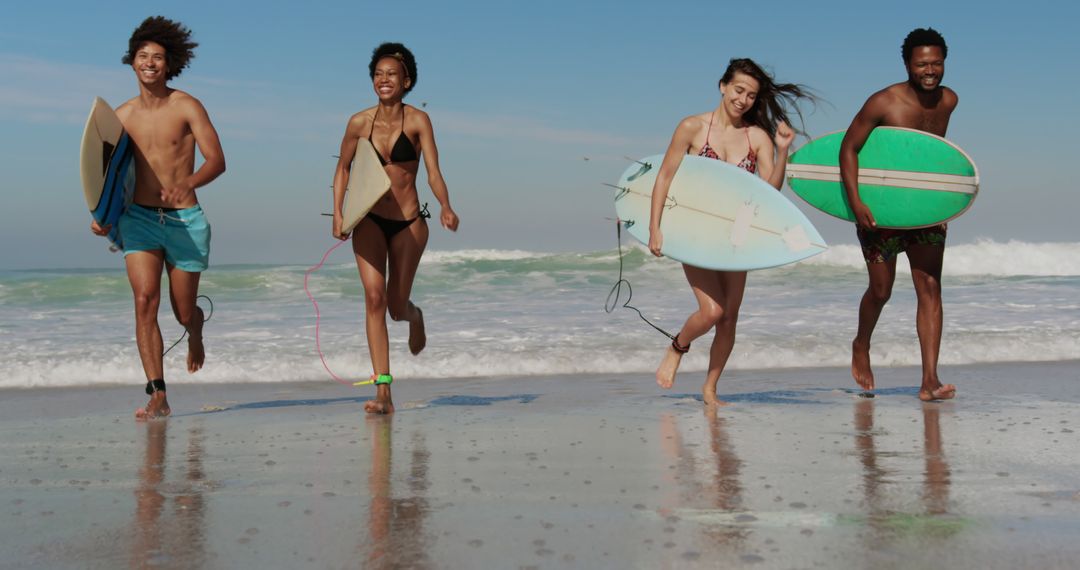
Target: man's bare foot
{"type": "Point", "coordinates": [665, 375]}
{"type": "Point", "coordinates": [942, 392]}
{"type": "Point", "coordinates": [860, 365]}
{"type": "Point", "coordinates": [196, 353]}
{"type": "Point", "coordinates": [417, 335]}
{"type": "Point", "coordinates": [157, 407]}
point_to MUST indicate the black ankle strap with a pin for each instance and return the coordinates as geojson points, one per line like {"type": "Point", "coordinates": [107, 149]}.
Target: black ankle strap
{"type": "Point", "coordinates": [678, 347]}
{"type": "Point", "coordinates": [155, 386]}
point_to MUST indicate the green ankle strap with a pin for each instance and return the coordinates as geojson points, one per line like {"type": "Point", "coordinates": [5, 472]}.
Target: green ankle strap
{"type": "Point", "coordinates": [376, 379]}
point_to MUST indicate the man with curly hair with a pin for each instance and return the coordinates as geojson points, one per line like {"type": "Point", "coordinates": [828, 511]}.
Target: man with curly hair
{"type": "Point", "coordinates": [921, 103]}
{"type": "Point", "coordinates": [164, 228]}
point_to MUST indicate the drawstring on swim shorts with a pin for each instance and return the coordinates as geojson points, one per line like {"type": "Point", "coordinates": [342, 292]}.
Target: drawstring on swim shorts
{"type": "Point", "coordinates": [162, 216]}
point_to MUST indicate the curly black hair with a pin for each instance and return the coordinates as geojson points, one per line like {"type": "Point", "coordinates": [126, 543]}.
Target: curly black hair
{"type": "Point", "coordinates": [173, 36]}
{"type": "Point", "coordinates": [400, 53]}
{"type": "Point", "coordinates": [773, 99]}
{"type": "Point", "coordinates": [922, 37]}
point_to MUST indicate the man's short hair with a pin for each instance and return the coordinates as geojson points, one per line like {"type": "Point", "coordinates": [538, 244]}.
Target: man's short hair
{"type": "Point", "coordinates": [923, 37]}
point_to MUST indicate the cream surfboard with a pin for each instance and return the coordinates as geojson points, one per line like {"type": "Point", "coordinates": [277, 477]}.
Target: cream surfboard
{"type": "Point", "coordinates": [908, 178]}
{"type": "Point", "coordinates": [717, 216]}
{"type": "Point", "coordinates": [107, 168]}
{"type": "Point", "coordinates": [367, 183]}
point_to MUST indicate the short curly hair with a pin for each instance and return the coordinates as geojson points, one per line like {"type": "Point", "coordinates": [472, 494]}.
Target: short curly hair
{"type": "Point", "coordinates": [923, 37]}
{"type": "Point", "coordinates": [173, 36]}
{"type": "Point", "coordinates": [398, 52]}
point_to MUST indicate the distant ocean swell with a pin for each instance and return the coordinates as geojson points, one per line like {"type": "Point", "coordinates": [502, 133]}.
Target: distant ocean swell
{"type": "Point", "coordinates": [494, 313]}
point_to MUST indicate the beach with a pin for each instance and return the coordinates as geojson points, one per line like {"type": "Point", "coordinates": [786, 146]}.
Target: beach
{"type": "Point", "coordinates": [574, 471]}
{"type": "Point", "coordinates": [530, 433]}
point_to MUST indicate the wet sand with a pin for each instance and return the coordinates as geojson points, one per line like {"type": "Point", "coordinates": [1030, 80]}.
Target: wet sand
{"type": "Point", "coordinates": [551, 472]}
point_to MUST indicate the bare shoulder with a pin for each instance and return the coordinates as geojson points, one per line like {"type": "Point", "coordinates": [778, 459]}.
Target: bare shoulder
{"type": "Point", "coordinates": [694, 123]}
{"type": "Point", "coordinates": [886, 97]}
{"type": "Point", "coordinates": [417, 116]}
{"type": "Point", "coordinates": [758, 135]}
{"type": "Point", "coordinates": [189, 107]}
{"type": "Point", "coordinates": [361, 119]}
{"type": "Point", "coordinates": [950, 98]}
{"type": "Point", "coordinates": [183, 99]}
{"type": "Point", "coordinates": [126, 108]}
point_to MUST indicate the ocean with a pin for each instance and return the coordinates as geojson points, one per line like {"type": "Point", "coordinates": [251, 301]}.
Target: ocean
{"type": "Point", "coordinates": [493, 313]}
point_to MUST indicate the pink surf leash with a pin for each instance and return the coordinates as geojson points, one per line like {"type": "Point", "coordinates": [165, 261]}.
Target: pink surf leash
{"type": "Point", "coordinates": [318, 347]}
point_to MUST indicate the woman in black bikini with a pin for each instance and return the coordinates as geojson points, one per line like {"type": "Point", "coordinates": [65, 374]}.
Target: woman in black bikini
{"type": "Point", "coordinates": [389, 241]}
{"type": "Point", "coordinates": [750, 130]}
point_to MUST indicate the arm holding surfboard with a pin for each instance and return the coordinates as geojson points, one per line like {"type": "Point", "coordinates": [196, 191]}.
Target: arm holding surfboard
{"type": "Point", "coordinates": [353, 132]}
{"type": "Point", "coordinates": [447, 217]}
{"type": "Point", "coordinates": [869, 117]}
{"type": "Point", "coordinates": [680, 142]}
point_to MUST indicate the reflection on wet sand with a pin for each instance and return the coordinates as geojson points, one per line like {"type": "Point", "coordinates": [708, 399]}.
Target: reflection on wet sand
{"type": "Point", "coordinates": [176, 541]}
{"type": "Point", "coordinates": [395, 537]}
{"type": "Point", "coordinates": [711, 484]}
{"type": "Point", "coordinates": [935, 519]}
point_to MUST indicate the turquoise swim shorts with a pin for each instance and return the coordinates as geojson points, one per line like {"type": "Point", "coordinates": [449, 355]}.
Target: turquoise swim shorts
{"type": "Point", "coordinates": [184, 235]}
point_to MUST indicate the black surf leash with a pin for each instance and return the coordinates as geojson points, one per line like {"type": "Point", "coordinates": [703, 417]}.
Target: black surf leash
{"type": "Point", "coordinates": [616, 291]}
{"type": "Point", "coordinates": [206, 317]}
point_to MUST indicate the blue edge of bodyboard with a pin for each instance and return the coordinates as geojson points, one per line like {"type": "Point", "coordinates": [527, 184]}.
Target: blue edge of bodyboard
{"type": "Point", "coordinates": [111, 204]}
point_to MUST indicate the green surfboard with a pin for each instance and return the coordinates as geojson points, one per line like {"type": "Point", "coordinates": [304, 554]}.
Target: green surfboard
{"type": "Point", "coordinates": [908, 178]}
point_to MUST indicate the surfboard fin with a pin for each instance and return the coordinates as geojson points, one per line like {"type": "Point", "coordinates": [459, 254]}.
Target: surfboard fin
{"type": "Point", "coordinates": [622, 191]}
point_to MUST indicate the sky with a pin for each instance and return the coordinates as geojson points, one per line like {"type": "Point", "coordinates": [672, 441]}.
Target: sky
{"type": "Point", "coordinates": [534, 105]}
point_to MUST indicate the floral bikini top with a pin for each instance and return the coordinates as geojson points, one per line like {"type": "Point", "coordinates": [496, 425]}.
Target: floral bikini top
{"type": "Point", "coordinates": [748, 163]}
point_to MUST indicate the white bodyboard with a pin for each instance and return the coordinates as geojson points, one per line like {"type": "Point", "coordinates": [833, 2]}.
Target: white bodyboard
{"type": "Point", "coordinates": [367, 183]}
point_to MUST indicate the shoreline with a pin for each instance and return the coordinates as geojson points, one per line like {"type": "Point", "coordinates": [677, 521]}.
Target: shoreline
{"type": "Point", "coordinates": [555, 471]}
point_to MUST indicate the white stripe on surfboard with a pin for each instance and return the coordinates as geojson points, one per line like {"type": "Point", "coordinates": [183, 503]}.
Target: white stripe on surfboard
{"type": "Point", "coordinates": [895, 178]}
{"type": "Point", "coordinates": [794, 237]}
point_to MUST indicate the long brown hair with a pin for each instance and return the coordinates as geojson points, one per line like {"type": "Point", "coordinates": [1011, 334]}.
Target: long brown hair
{"type": "Point", "coordinates": [773, 99]}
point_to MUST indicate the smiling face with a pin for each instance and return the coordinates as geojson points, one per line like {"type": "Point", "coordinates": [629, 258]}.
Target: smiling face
{"type": "Point", "coordinates": [150, 64]}
{"type": "Point", "coordinates": [739, 94]}
{"type": "Point", "coordinates": [926, 67]}
{"type": "Point", "coordinates": [390, 80]}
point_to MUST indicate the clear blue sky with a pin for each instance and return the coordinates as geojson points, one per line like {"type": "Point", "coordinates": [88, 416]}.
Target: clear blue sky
{"type": "Point", "coordinates": [519, 93]}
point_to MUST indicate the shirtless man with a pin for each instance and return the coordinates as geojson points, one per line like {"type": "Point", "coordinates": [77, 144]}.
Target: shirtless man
{"type": "Point", "coordinates": [164, 228]}
{"type": "Point", "coordinates": [922, 103]}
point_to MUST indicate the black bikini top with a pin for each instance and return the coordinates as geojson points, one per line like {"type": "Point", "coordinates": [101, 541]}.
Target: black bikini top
{"type": "Point", "coordinates": [403, 150]}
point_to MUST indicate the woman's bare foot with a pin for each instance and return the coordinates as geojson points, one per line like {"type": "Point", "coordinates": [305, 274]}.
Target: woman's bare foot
{"type": "Point", "coordinates": [417, 335]}
{"type": "Point", "coordinates": [860, 365]}
{"type": "Point", "coordinates": [708, 395]}
{"type": "Point", "coordinates": [196, 353]}
{"type": "Point", "coordinates": [382, 404]}
{"type": "Point", "coordinates": [665, 375]}
{"type": "Point", "coordinates": [942, 392]}
{"type": "Point", "coordinates": [157, 407]}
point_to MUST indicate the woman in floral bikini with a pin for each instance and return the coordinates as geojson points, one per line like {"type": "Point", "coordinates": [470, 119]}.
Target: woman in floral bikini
{"type": "Point", "coordinates": [749, 128]}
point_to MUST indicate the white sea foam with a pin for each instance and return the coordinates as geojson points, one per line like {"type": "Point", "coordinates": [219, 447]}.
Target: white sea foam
{"type": "Point", "coordinates": [494, 313]}
{"type": "Point", "coordinates": [983, 257]}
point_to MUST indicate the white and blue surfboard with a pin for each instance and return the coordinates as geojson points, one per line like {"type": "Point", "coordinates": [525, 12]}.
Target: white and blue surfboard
{"type": "Point", "coordinates": [717, 216]}
{"type": "Point", "coordinates": [107, 168]}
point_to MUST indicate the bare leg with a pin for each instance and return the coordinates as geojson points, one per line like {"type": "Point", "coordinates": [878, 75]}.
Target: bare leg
{"type": "Point", "coordinates": [183, 290]}
{"type": "Point", "coordinates": [369, 246]}
{"type": "Point", "coordinates": [733, 285]}
{"type": "Point", "coordinates": [144, 273]}
{"type": "Point", "coordinates": [708, 290]}
{"type": "Point", "coordinates": [406, 248]}
{"type": "Point", "coordinates": [881, 277]}
{"type": "Point", "coordinates": [926, 263]}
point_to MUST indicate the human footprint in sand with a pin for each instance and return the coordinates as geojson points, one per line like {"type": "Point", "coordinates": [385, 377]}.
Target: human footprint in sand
{"type": "Point", "coordinates": [924, 104]}
{"type": "Point", "coordinates": [750, 129]}
{"type": "Point", "coordinates": [164, 229]}
{"type": "Point", "coordinates": [389, 241]}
